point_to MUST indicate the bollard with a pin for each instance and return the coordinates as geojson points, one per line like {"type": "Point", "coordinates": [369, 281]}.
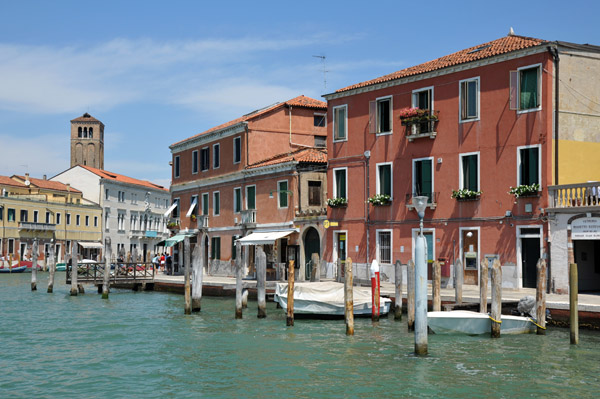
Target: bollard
{"type": "Point", "coordinates": [496, 298]}
{"type": "Point", "coordinates": [459, 275]}
{"type": "Point", "coordinates": [238, 280]}
{"type": "Point", "coordinates": [51, 270]}
{"type": "Point", "coordinates": [74, 267]}
{"type": "Point", "coordinates": [261, 276]}
{"type": "Point", "coordinates": [410, 295]}
{"type": "Point", "coordinates": [197, 272]}
{"type": "Point", "coordinates": [483, 282]}
{"type": "Point", "coordinates": [186, 265]}
{"type": "Point", "coordinates": [540, 297]}
{"type": "Point", "coordinates": [573, 304]}
{"type": "Point", "coordinates": [107, 258]}
{"type": "Point", "coordinates": [315, 274]}
{"type": "Point", "coordinates": [398, 285]}
{"type": "Point", "coordinates": [290, 296]}
{"type": "Point", "coordinates": [375, 290]}
{"type": "Point", "coordinates": [34, 266]}
{"type": "Point", "coordinates": [348, 297]}
{"type": "Point", "coordinates": [421, 295]}
{"type": "Point", "coordinates": [436, 286]}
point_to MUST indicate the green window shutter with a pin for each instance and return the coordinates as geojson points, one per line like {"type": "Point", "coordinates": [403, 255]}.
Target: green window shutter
{"type": "Point", "coordinates": [340, 181]}
{"type": "Point", "coordinates": [340, 123]}
{"type": "Point", "coordinates": [429, 240]}
{"type": "Point", "coordinates": [251, 197]}
{"type": "Point", "coordinates": [528, 96]}
{"type": "Point", "coordinates": [424, 178]}
{"type": "Point", "coordinates": [469, 164]}
{"type": "Point", "coordinates": [205, 204]}
{"type": "Point", "coordinates": [529, 166]}
{"type": "Point", "coordinates": [385, 180]}
{"type": "Point", "coordinates": [283, 195]}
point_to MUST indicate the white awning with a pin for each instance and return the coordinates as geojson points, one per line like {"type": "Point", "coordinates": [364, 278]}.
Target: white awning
{"type": "Point", "coordinates": [168, 212]}
{"type": "Point", "coordinates": [264, 237]}
{"type": "Point", "coordinates": [91, 245]}
{"type": "Point", "coordinates": [189, 212]}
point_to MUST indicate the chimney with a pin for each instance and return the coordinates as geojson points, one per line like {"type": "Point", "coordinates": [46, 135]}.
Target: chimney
{"type": "Point", "coordinates": [68, 192]}
{"type": "Point", "coordinates": [26, 176]}
{"type": "Point", "coordinates": [45, 177]}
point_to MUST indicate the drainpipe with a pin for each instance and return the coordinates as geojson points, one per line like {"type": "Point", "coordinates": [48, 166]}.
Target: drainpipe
{"type": "Point", "coordinates": [554, 52]}
{"type": "Point", "coordinates": [247, 144]}
{"type": "Point", "coordinates": [367, 217]}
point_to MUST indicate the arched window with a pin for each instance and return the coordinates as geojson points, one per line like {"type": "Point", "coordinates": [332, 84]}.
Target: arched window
{"type": "Point", "coordinates": [79, 132]}
{"type": "Point", "coordinates": [91, 133]}
{"type": "Point", "coordinates": [85, 132]}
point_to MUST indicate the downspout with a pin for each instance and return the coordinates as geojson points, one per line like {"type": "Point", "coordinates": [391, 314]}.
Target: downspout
{"type": "Point", "coordinates": [367, 217]}
{"type": "Point", "coordinates": [247, 144]}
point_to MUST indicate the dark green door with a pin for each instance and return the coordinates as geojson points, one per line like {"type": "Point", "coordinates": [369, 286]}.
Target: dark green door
{"type": "Point", "coordinates": [530, 254]}
{"type": "Point", "coordinates": [311, 245]}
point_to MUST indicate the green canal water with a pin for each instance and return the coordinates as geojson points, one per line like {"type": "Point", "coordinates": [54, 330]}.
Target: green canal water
{"type": "Point", "coordinates": [140, 345]}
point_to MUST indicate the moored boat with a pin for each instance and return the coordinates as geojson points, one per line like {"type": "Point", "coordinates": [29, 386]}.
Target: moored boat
{"type": "Point", "coordinates": [474, 323]}
{"type": "Point", "coordinates": [14, 269]}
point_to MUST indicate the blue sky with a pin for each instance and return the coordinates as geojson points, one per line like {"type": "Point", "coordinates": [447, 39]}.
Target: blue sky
{"type": "Point", "coordinates": [157, 72]}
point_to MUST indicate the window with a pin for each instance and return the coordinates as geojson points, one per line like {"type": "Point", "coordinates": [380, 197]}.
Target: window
{"type": "Point", "coordinates": [91, 133]}
{"type": "Point", "coordinates": [175, 212]}
{"type": "Point", "coordinates": [469, 99]}
{"type": "Point", "coordinates": [384, 179]}
{"type": "Point", "coordinates": [58, 218]}
{"type": "Point", "coordinates": [121, 221]}
{"type": "Point", "coordinates": [469, 171]}
{"type": "Point", "coordinates": [95, 221]}
{"type": "Point", "coordinates": [204, 159]}
{"type": "Point", "coordinates": [205, 204]}
{"type": "Point", "coordinates": [237, 200]}
{"type": "Point", "coordinates": [193, 206]}
{"type": "Point", "coordinates": [68, 219]}
{"type": "Point", "coordinates": [10, 214]}
{"type": "Point", "coordinates": [251, 197]}
{"type": "Point", "coordinates": [121, 195]}
{"type": "Point", "coordinates": [216, 203]}
{"type": "Point", "coordinates": [380, 115]}
{"type": "Point", "coordinates": [194, 162]}
{"type": "Point", "coordinates": [423, 177]}
{"type": "Point", "coordinates": [216, 156]}
{"type": "Point", "coordinates": [320, 141]}
{"type": "Point", "coordinates": [319, 120]}
{"type": "Point", "coordinates": [176, 166]}
{"type": "Point", "coordinates": [339, 183]}
{"type": "Point", "coordinates": [106, 218]}
{"type": "Point", "coordinates": [340, 128]}
{"type": "Point", "coordinates": [529, 162]}
{"type": "Point", "coordinates": [24, 215]}
{"type": "Point", "coordinates": [35, 216]}
{"type": "Point", "coordinates": [314, 193]}
{"type": "Point", "coordinates": [134, 199]}
{"type": "Point", "coordinates": [237, 150]}
{"type": "Point", "coordinates": [529, 88]}
{"type": "Point", "coordinates": [215, 247]}
{"type": "Point", "coordinates": [87, 220]}
{"type": "Point", "coordinates": [77, 220]}
{"type": "Point", "coordinates": [106, 194]}
{"type": "Point", "coordinates": [11, 246]}
{"type": "Point", "coordinates": [384, 246]}
{"type": "Point", "coordinates": [282, 190]}
{"type": "Point", "coordinates": [1, 218]}
{"type": "Point", "coordinates": [47, 217]}
{"type": "Point", "coordinates": [233, 251]}
{"type": "Point", "coordinates": [423, 98]}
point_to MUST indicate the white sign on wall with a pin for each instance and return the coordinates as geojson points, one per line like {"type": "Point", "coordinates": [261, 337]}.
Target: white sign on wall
{"type": "Point", "coordinates": [585, 229]}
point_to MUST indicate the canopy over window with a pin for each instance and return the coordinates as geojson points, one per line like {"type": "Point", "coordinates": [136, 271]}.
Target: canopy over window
{"type": "Point", "coordinates": [91, 245]}
{"type": "Point", "coordinates": [176, 239]}
{"type": "Point", "coordinates": [265, 237]}
{"type": "Point", "coordinates": [168, 212]}
{"type": "Point", "coordinates": [192, 206]}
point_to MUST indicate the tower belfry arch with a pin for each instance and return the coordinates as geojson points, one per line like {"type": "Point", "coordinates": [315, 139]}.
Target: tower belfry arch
{"type": "Point", "coordinates": [87, 142]}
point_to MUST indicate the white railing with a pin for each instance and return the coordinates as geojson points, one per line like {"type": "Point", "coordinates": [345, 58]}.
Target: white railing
{"type": "Point", "coordinates": [202, 221]}
{"type": "Point", "coordinates": [37, 226]}
{"type": "Point", "coordinates": [249, 216]}
{"type": "Point", "coordinates": [574, 195]}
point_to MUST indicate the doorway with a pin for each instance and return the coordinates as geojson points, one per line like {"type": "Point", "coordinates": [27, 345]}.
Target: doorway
{"type": "Point", "coordinates": [530, 251]}
{"type": "Point", "coordinates": [312, 244]}
{"type": "Point", "coordinates": [469, 254]}
{"type": "Point", "coordinates": [587, 258]}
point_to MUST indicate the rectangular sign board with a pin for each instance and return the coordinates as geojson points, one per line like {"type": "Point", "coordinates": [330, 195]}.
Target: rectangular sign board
{"type": "Point", "coordinates": [585, 229]}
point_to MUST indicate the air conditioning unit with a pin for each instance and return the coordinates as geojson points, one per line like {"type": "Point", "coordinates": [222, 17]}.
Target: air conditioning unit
{"type": "Point", "coordinates": [235, 221]}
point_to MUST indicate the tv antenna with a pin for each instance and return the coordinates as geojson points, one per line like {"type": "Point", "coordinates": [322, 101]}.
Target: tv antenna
{"type": "Point", "coordinates": [323, 58]}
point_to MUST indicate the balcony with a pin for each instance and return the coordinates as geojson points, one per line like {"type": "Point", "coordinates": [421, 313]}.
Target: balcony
{"type": "Point", "coordinates": [202, 221]}
{"type": "Point", "coordinates": [37, 226]}
{"type": "Point", "coordinates": [422, 125]}
{"type": "Point", "coordinates": [574, 195]}
{"type": "Point", "coordinates": [431, 204]}
{"type": "Point", "coordinates": [249, 217]}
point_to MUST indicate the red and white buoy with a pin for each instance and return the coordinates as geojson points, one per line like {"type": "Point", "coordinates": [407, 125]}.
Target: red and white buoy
{"type": "Point", "coordinates": [375, 290]}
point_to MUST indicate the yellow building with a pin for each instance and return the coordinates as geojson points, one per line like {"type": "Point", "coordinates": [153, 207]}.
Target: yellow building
{"type": "Point", "coordinates": [54, 213]}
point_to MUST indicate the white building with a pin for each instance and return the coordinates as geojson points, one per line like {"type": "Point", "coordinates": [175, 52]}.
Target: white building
{"type": "Point", "coordinates": [133, 211]}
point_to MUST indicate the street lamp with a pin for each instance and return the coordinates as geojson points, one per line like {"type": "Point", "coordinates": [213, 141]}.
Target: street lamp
{"type": "Point", "coordinates": [420, 203]}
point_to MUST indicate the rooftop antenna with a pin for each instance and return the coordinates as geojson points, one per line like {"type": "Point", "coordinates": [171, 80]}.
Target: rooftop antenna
{"type": "Point", "coordinates": [511, 32]}
{"type": "Point", "coordinates": [323, 57]}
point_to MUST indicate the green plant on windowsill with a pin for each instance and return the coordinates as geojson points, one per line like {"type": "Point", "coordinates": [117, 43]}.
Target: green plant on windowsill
{"type": "Point", "coordinates": [337, 202]}
{"type": "Point", "coordinates": [173, 225]}
{"type": "Point", "coordinates": [525, 190]}
{"type": "Point", "coordinates": [193, 217]}
{"type": "Point", "coordinates": [465, 194]}
{"type": "Point", "coordinates": [380, 199]}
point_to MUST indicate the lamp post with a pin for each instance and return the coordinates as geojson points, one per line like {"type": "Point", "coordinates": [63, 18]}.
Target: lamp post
{"type": "Point", "coordinates": [420, 203]}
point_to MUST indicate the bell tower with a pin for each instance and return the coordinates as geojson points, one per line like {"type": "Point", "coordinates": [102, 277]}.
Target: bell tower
{"type": "Point", "coordinates": [87, 142]}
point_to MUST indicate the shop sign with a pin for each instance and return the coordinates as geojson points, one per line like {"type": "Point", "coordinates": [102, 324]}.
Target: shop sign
{"type": "Point", "coordinates": [585, 229]}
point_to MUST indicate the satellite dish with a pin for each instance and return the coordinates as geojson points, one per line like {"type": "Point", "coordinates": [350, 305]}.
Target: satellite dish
{"type": "Point", "coordinates": [27, 182]}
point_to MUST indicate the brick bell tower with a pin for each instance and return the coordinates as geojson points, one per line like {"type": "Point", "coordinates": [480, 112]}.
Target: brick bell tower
{"type": "Point", "coordinates": [87, 142]}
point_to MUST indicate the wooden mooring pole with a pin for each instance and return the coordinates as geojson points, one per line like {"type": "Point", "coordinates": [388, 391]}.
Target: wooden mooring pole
{"type": "Point", "coordinates": [186, 271]}
{"type": "Point", "coordinates": [349, 298]}
{"type": "Point", "coordinates": [496, 298]}
{"type": "Point", "coordinates": [34, 265]}
{"type": "Point", "coordinates": [107, 259]}
{"type": "Point", "coordinates": [315, 274]}
{"type": "Point", "coordinates": [573, 303]}
{"type": "Point", "coordinates": [459, 276]}
{"type": "Point", "coordinates": [436, 287]}
{"type": "Point", "coordinates": [540, 297]}
{"type": "Point", "coordinates": [410, 295]}
{"type": "Point", "coordinates": [483, 283]}
{"type": "Point", "coordinates": [51, 270]}
{"type": "Point", "coordinates": [290, 295]}
{"type": "Point", "coordinates": [261, 277]}
{"type": "Point", "coordinates": [375, 290]}
{"type": "Point", "coordinates": [74, 267]}
{"type": "Point", "coordinates": [197, 272]}
{"type": "Point", "coordinates": [238, 280]}
{"type": "Point", "coordinates": [398, 286]}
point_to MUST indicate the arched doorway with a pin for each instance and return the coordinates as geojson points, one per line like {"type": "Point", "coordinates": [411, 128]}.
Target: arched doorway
{"type": "Point", "coordinates": [312, 244]}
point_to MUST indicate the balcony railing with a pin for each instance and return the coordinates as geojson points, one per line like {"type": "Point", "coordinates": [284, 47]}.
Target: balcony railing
{"type": "Point", "coordinates": [37, 226]}
{"type": "Point", "coordinates": [248, 216]}
{"type": "Point", "coordinates": [202, 221]}
{"type": "Point", "coordinates": [431, 203]}
{"type": "Point", "coordinates": [421, 126]}
{"type": "Point", "coordinates": [574, 195]}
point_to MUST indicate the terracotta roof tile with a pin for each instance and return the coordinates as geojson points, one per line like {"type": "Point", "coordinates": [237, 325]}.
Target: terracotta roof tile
{"type": "Point", "coordinates": [45, 184]}
{"type": "Point", "coordinates": [489, 49]}
{"type": "Point", "coordinates": [7, 181]}
{"type": "Point", "coordinates": [121, 178]}
{"type": "Point", "coordinates": [303, 155]}
{"type": "Point", "coordinates": [86, 118]}
{"type": "Point", "coordinates": [300, 101]}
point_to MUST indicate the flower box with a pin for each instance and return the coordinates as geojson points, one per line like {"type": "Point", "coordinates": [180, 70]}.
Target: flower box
{"type": "Point", "coordinates": [380, 200]}
{"type": "Point", "coordinates": [465, 195]}
{"type": "Point", "coordinates": [337, 202]}
{"type": "Point", "coordinates": [525, 190]}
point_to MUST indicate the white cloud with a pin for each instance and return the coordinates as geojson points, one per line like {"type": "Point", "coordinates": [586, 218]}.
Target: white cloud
{"type": "Point", "coordinates": [41, 155]}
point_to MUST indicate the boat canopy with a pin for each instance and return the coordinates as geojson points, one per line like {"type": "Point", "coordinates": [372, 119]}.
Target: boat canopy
{"type": "Point", "coordinates": [265, 237]}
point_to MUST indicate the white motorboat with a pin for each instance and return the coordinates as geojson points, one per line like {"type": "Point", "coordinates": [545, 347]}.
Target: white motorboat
{"type": "Point", "coordinates": [474, 323]}
{"type": "Point", "coordinates": [326, 299]}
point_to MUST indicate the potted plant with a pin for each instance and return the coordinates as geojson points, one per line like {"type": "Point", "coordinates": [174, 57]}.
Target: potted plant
{"type": "Point", "coordinates": [173, 225]}
{"type": "Point", "coordinates": [337, 202]}
{"type": "Point", "coordinates": [193, 217]}
{"type": "Point", "coordinates": [525, 190]}
{"type": "Point", "coordinates": [465, 194]}
{"type": "Point", "coordinates": [380, 199]}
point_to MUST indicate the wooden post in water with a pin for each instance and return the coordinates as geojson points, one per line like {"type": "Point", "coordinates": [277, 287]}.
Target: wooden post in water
{"type": "Point", "coordinates": [483, 283]}
{"type": "Point", "coordinates": [290, 295]}
{"type": "Point", "coordinates": [261, 277]}
{"type": "Point", "coordinates": [496, 298]}
{"type": "Point", "coordinates": [51, 269]}
{"type": "Point", "coordinates": [436, 287]}
{"type": "Point", "coordinates": [239, 265]}
{"type": "Point", "coordinates": [34, 266]}
{"type": "Point", "coordinates": [186, 265]}
{"type": "Point", "coordinates": [74, 267]}
{"type": "Point", "coordinates": [540, 297]}
{"type": "Point", "coordinates": [349, 298]}
{"type": "Point", "coordinates": [459, 273]}
{"type": "Point", "coordinates": [375, 290]}
{"type": "Point", "coordinates": [315, 274]}
{"type": "Point", "coordinates": [398, 285]}
{"type": "Point", "coordinates": [573, 303]}
{"type": "Point", "coordinates": [245, 298]}
{"type": "Point", "coordinates": [107, 258]}
{"type": "Point", "coordinates": [197, 263]}
{"type": "Point", "coordinates": [410, 295]}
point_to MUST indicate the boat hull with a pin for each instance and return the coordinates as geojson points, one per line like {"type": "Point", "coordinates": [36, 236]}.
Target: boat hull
{"type": "Point", "coordinates": [473, 323]}
{"type": "Point", "coordinates": [14, 269]}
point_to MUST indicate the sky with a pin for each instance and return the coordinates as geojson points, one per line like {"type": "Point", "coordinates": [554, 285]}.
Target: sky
{"type": "Point", "coordinates": [157, 72]}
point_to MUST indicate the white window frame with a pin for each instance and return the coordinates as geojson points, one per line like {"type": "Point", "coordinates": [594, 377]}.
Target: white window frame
{"type": "Point", "coordinates": [378, 246]}
{"type": "Point", "coordinates": [194, 210]}
{"type": "Point", "coordinates": [246, 199]}
{"type": "Point", "coordinates": [335, 193]}
{"type": "Point", "coordinates": [324, 115]}
{"type": "Point", "coordinates": [461, 252]}
{"type": "Point", "coordinates": [539, 148]}
{"type": "Point", "coordinates": [460, 100]}
{"type": "Point", "coordinates": [238, 138]}
{"type": "Point", "coordinates": [335, 253]}
{"type": "Point", "coordinates": [206, 198]}
{"type": "Point", "coordinates": [460, 169]}
{"type": "Point", "coordinates": [57, 218]}
{"type": "Point", "coordinates": [216, 194]}
{"type": "Point", "coordinates": [539, 108]}
{"type": "Point", "coordinates": [176, 166]}
{"type": "Point", "coordinates": [378, 188]}
{"type": "Point", "coordinates": [216, 148]}
{"type": "Point", "coordinates": [87, 220]}
{"type": "Point", "coordinates": [195, 165]}
{"type": "Point", "coordinates": [336, 140]}
{"type": "Point", "coordinates": [36, 215]}
{"type": "Point", "coordinates": [377, 118]}
{"type": "Point", "coordinates": [235, 200]}
{"type": "Point", "coordinates": [178, 207]}
{"type": "Point", "coordinates": [413, 97]}
{"type": "Point", "coordinates": [287, 184]}
{"type": "Point", "coordinates": [414, 178]}
{"type": "Point", "coordinates": [95, 221]}
{"type": "Point", "coordinates": [68, 219]}
{"type": "Point", "coordinates": [201, 163]}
